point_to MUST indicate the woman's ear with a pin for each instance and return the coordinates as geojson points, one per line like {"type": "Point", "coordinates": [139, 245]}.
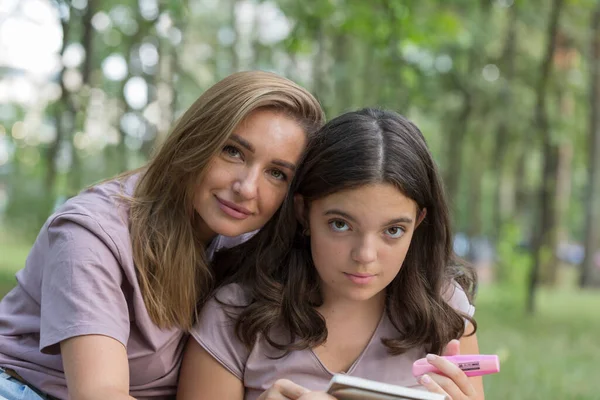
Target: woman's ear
{"type": "Point", "coordinates": [421, 217]}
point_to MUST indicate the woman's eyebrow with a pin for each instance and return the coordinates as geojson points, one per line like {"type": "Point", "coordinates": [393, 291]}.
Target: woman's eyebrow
{"type": "Point", "coordinates": [243, 142]}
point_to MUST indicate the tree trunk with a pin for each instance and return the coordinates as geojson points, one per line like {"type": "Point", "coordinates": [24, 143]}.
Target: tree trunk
{"type": "Point", "coordinates": [371, 80]}
{"type": "Point", "coordinates": [503, 132]}
{"type": "Point", "coordinates": [233, 53]}
{"type": "Point", "coordinates": [75, 179]}
{"type": "Point", "coordinates": [130, 43]}
{"type": "Point", "coordinates": [590, 275]}
{"type": "Point", "coordinates": [475, 176]}
{"type": "Point", "coordinates": [343, 84]}
{"type": "Point", "coordinates": [521, 199]}
{"type": "Point", "coordinates": [64, 106]}
{"type": "Point", "coordinates": [456, 143]}
{"type": "Point", "coordinates": [320, 88]}
{"type": "Point", "coordinates": [544, 245]}
{"type": "Point", "coordinates": [396, 95]}
{"type": "Point", "coordinates": [455, 151]}
{"type": "Point", "coordinates": [564, 172]}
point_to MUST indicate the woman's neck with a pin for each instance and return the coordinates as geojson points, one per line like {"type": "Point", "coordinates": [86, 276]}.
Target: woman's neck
{"type": "Point", "coordinates": [205, 234]}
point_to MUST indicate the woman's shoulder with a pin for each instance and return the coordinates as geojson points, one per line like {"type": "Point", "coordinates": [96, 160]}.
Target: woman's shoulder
{"type": "Point", "coordinates": [99, 201]}
{"type": "Point", "coordinates": [93, 223]}
{"type": "Point", "coordinates": [101, 209]}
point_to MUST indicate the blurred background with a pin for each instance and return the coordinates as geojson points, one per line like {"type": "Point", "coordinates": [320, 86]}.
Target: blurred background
{"type": "Point", "coordinates": [506, 92]}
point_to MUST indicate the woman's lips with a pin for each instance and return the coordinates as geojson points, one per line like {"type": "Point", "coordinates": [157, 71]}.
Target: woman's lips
{"type": "Point", "coordinates": [232, 209]}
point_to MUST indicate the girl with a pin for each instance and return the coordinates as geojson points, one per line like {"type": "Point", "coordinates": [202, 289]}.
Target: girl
{"type": "Point", "coordinates": [114, 278]}
{"type": "Point", "coordinates": [354, 275]}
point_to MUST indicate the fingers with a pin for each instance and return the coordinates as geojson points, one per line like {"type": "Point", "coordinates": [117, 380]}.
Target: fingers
{"type": "Point", "coordinates": [434, 387]}
{"type": "Point", "coordinates": [316, 396]}
{"type": "Point", "coordinates": [451, 380]}
{"type": "Point", "coordinates": [454, 376]}
{"type": "Point", "coordinates": [288, 389]}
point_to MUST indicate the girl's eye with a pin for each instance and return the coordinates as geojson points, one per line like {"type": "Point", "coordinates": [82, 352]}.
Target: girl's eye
{"type": "Point", "coordinates": [232, 152]}
{"type": "Point", "coordinates": [279, 175]}
{"type": "Point", "coordinates": [339, 226]}
{"type": "Point", "coordinates": [394, 232]}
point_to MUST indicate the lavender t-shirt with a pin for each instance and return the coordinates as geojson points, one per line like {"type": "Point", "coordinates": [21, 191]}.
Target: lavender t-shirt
{"type": "Point", "coordinates": [259, 367]}
{"type": "Point", "coordinates": [80, 279]}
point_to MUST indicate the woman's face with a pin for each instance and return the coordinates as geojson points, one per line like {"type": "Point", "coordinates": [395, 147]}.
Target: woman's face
{"type": "Point", "coordinates": [246, 183]}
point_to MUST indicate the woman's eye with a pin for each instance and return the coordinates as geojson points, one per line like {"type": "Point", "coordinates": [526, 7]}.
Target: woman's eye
{"type": "Point", "coordinates": [339, 226]}
{"type": "Point", "coordinates": [394, 232]}
{"type": "Point", "coordinates": [279, 175]}
{"type": "Point", "coordinates": [232, 151]}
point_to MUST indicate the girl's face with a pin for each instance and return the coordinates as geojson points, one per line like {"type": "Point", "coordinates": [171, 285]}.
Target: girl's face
{"type": "Point", "coordinates": [247, 182]}
{"type": "Point", "coordinates": [359, 239]}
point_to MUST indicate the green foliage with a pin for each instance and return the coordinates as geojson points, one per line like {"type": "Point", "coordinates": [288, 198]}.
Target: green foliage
{"type": "Point", "coordinates": [28, 207]}
{"type": "Point", "coordinates": [443, 63]}
{"type": "Point", "coordinates": [14, 247]}
{"type": "Point", "coordinates": [513, 260]}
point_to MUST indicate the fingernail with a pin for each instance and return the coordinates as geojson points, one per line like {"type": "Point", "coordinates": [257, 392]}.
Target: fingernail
{"type": "Point", "coordinates": [425, 379]}
{"type": "Point", "coordinates": [431, 357]}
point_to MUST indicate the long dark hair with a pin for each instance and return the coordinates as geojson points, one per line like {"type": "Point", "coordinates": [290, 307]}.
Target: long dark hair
{"type": "Point", "coordinates": [275, 267]}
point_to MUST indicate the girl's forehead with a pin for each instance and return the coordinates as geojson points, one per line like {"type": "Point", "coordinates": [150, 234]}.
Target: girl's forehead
{"type": "Point", "coordinates": [374, 202]}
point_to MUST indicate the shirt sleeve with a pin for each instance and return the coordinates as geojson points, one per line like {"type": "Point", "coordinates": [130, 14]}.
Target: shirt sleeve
{"type": "Point", "coordinates": [456, 297]}
{"type": "Point", "coordinates": [215, 330]}
{"type": "Point", "coordinates": [81, 288]}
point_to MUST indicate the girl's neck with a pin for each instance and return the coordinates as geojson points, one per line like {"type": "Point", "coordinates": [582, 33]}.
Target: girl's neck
{"type": "Point", "coordinates": [350, 328]}
{"type": "Point", "coordinates": [334, 307]}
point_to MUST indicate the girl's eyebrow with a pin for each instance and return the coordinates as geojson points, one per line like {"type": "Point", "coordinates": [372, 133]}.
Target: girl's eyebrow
{"type": "Point", "coordinates": [401, 220]}
{"type": "Point", "coordinates": [405, 220]}
{"type": "Point", "coordinates": [284, 164]}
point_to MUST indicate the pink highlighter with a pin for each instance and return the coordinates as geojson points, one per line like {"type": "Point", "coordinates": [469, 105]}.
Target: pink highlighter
{"type": "Point", "coordinates": [471, 364]}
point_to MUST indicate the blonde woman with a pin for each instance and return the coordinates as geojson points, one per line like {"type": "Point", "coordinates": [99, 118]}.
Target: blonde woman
{"type": "Point", "coordinates": [115, 276]}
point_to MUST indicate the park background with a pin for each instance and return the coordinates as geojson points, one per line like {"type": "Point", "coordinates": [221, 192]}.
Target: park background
{"type": "Point", "coordinates": [505, 91]}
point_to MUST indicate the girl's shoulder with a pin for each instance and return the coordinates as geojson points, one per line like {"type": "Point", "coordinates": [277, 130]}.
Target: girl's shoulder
{"type": "Point", "coordinates": [231, 295]}
{"type": "Point", "coordinates": [215, 330]}
{"type": "Point", "coordinates": [456, 297]}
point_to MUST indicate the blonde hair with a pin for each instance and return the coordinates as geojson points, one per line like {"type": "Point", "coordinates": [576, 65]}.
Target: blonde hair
{"type": "Point", "coordinates": [172, 267]}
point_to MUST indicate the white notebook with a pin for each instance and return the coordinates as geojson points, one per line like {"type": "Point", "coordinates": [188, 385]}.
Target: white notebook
{"type": "Point", "coordinates": [344, 387]}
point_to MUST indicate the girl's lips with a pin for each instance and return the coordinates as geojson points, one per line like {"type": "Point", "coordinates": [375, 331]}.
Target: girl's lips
{"type": "Point", "coordinates": [360, 279]}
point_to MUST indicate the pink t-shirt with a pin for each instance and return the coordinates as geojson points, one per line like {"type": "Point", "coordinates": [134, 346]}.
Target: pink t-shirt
{"type": "Point", "coordinates": [80, 279]}
{"type": "Point", "coordinates": [258, 369]}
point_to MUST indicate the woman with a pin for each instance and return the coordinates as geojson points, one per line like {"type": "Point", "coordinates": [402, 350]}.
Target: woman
{"type": "Point", "coordinates": [115, 275]}
{"type": "Point", "coordinates": [353, 275]}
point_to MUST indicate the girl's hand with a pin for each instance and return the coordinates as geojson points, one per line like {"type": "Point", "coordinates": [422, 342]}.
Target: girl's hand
{"type": "Point", "coordinates": [284, 389]}
{"type": "Point", "coordinates": [454, 384]}
{"type": "Point", "coordinates": [316, 396]}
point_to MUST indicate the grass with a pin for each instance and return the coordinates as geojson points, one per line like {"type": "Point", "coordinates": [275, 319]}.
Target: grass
{"type": "Point", "coordinates": [13, 251]}
{"type": "Point", "coordinates": [552, 355]}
